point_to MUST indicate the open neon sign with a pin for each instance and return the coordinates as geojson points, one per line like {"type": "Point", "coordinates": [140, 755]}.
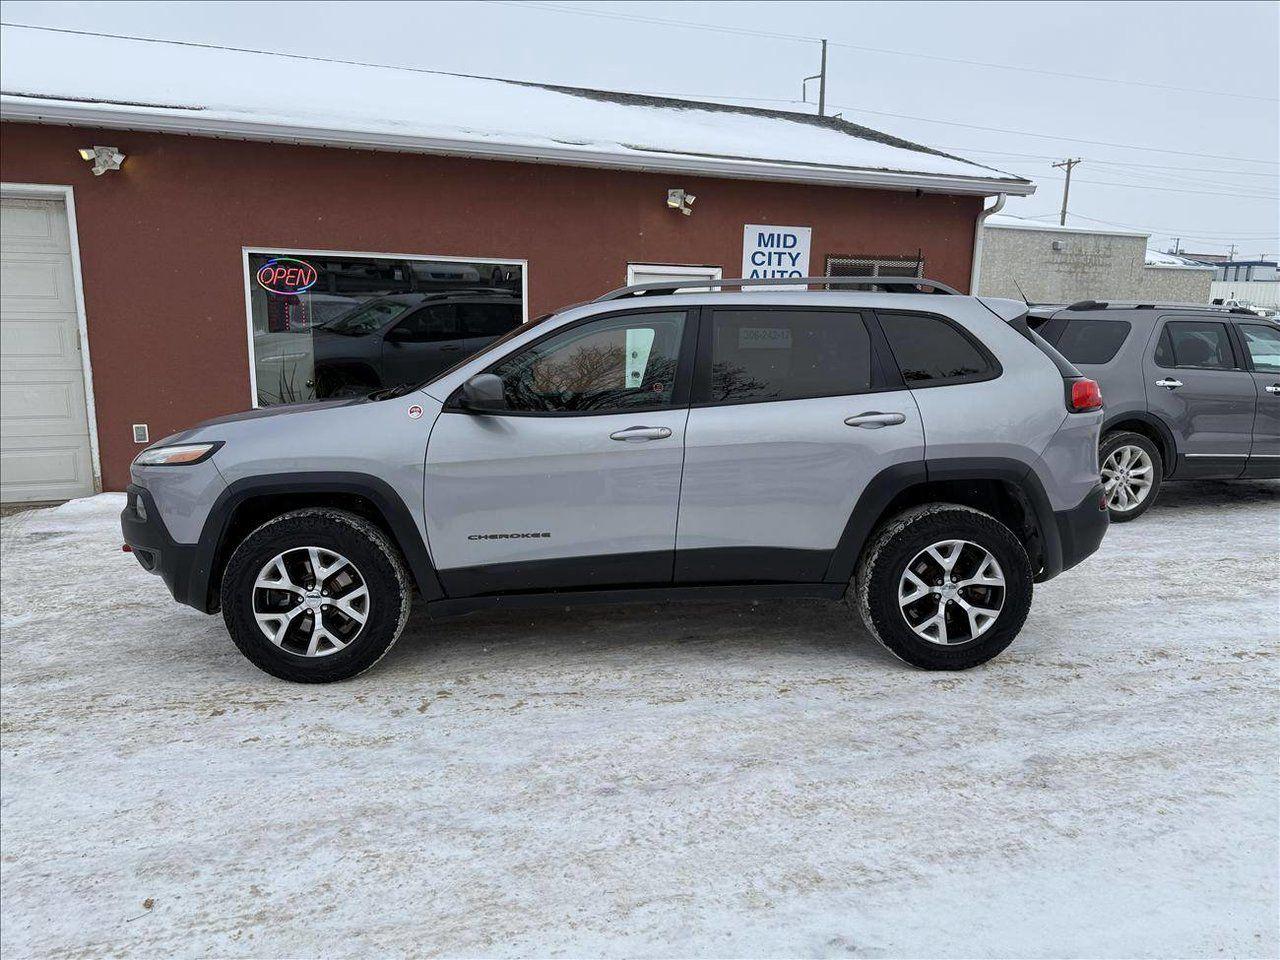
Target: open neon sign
{"type": "Point", "coordinates": [285, 275]}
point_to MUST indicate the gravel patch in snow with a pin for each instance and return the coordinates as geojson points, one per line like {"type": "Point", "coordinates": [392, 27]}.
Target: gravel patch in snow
{"type": "Point", "coordinates": [698, 779]}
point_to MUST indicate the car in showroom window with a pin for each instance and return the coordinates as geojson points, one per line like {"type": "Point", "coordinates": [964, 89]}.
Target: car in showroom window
{"type": "Point", "coordinates": [327, 326]}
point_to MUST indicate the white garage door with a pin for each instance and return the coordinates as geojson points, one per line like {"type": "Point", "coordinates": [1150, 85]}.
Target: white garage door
{"type": "Point", "coordinates": [44, 426]}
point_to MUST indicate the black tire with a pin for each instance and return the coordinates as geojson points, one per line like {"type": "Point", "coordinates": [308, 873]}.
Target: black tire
{"type": "Point", "coordinates": [1124, 438]}
{"type": "Point", "coordinates": [874, 592]}
{"type": "Point", "coordinates": [376, 561]}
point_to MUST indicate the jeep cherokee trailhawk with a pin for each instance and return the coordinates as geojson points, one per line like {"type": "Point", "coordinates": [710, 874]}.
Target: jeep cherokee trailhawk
{"type": "Point", "coordinates": [922, 455]}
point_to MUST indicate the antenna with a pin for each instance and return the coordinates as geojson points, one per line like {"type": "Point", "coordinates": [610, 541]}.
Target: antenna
{"type": "Point", "coordinates": [1021, 291]}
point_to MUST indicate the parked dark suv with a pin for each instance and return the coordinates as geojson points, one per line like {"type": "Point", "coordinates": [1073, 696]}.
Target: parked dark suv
{"type": "Point", "coordinates": [1193, 392]}
{"type": "Point", "coordinates": [408, 338]}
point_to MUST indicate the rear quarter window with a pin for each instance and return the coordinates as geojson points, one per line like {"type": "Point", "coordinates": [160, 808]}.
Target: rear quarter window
{"type": "Point", "coordinates": [931, 352]}
{"type": "Point", "coordinates": [1091, 341]}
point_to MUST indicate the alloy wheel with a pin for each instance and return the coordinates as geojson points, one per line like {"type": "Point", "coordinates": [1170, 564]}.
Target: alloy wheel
{"type": "Point", "coordinates": [1127, 474]}
{"type": "Point", "coordinates": [310, 601]}
{"type": "Point", "coordinates": [951, 592]}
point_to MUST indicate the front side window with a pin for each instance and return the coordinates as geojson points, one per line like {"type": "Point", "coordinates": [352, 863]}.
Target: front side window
{"type": "Point", "coordinates": [931, 352]}
{"type": "Point", "coordinates": [609, 365]}
{"type": "Point", "coordinates": [318, 321]}
{"type": "Point", "coordinates": [1195, 343]}
{"type": "Point", "coordinates": [1263, 344]}
{"type": "Point", "coordinates": [763, 355]}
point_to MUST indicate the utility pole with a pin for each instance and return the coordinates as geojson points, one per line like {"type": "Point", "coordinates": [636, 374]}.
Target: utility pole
{"type": "Point", "coordinates": [822, 83]}
{"type": "Point", "coordinates": [1066, 187]}
{"type": "Point", "coordinates": [1231, 254]}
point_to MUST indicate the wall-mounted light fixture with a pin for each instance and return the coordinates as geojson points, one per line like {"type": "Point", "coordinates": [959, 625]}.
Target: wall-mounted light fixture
{"type": "Point", "coordinates": [102, 158]}
{"type": "Point", "coordinates": [679, 200]}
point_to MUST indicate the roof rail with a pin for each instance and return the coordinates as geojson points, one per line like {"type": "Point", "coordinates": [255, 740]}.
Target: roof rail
{"type": "Point", "coordinates": [661, 287]}
{"type": "Point", "coordinates": [1156, 305]}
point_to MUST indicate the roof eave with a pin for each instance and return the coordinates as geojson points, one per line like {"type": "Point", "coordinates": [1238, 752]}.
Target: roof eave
{"type": "Point", "coordinates": [31, 110]}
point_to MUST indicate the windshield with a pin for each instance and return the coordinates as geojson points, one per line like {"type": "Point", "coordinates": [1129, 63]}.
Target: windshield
{"type": "Point", "coordinates": [368, 319]}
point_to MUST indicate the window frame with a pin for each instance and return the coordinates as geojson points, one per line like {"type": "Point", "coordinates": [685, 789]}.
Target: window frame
{"type": "Point", "coordinates": [1252, 367]}
{"type": "Point", "coordinates": [260, 249]}
{"type": "Point", "coordinates": [994, 368]}
{"type": "Point", "coordinates": [1232, 339]}
{"type": "Point", "coordinates": [679, 393]}
{"type": "Point", "coordinates": [882, 377]}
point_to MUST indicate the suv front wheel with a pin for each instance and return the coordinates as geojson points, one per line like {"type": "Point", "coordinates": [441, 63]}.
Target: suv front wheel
{"type": "Point", "coordinates": [944, 586]}
{"type": "Point", "coordinates": [315, 596]}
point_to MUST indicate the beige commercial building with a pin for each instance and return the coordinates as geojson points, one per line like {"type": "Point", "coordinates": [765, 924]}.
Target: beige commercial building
{"type": "Point", "coordinates": [1047, 263]}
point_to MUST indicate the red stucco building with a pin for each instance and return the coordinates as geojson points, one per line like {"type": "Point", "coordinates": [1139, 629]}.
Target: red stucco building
{"type": "Point", "coordinates": [130, 299]}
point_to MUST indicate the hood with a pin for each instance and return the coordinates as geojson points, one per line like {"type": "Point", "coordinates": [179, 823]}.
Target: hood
{"type": "Point", "coordinates": [261, 413]}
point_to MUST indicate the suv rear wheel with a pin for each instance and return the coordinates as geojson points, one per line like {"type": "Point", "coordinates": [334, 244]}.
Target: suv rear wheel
{"type": "Point", "coordinates": [1132, 469]}
{"type": "Point", "coordinates": [315, 596]}
{"type": "Point", "coordinates": [944, 586]}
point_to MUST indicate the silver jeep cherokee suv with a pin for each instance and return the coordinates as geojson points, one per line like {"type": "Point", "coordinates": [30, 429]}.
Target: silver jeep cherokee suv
{"type": "Point", "coordinates": [924, 457]}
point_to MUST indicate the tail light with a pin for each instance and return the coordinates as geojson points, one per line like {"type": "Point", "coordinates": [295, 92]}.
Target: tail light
{"type": "Point", "coordinates": [1084, 395]}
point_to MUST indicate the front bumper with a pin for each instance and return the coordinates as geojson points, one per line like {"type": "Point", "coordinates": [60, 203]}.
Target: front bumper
{"type": "Point", "coordinates": [177, 564]}
{"type": "Point", "coordinates": [1081, 529]}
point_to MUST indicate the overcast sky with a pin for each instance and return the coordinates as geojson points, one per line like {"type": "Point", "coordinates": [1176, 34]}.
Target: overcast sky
{"type": "Point", "coordinates": [1187, 146]}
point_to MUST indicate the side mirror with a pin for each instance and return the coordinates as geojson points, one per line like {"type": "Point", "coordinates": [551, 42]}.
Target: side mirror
{"type": "Point", "coordinates": [483, 393]}
{"type": "Point", "coordinates": [400, 334]}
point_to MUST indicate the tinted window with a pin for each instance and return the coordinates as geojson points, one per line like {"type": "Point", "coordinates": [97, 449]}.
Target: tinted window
{"type": "Point", "coordinates": [438, 322]}
{"type": "Point", "coordinates": [1263, 344]}
{"type": "Point", "coordinates": [930, 350]}
{"type": "Point", "coordinates": [1091, 341]}
{"type": "Point", "coordinates": [488, 319]}
{"type": "Point", "coordinates": [786, 355]}
{"type": "Point", "coordinates": [1195, 343]}
{"type": "Point", "coordinates": [612, 364]}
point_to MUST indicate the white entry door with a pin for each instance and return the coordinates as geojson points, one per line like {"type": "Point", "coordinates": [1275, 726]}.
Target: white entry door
{"type": "Point", "coordinates": [662, 272]}
{"type": "Point", "coordinates": [44, 424]}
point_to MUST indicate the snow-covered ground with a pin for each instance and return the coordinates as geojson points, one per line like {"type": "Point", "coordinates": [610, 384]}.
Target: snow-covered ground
{"type": "Point", "coordinates": [703, 779]}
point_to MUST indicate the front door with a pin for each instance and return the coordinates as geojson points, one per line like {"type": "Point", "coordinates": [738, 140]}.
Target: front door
{"type": "Point", "coordinates": [1262, 345]}
{"type": "Point", "coordinates": [577, 483]}
{"type": "Point", "coordinates": [1197, 385]}
{"type": "Point", "coordinates": [791, 418]}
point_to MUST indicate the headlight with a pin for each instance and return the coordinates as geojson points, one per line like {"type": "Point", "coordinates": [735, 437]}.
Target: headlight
{"type": "Point", "coordinates": [177, 455]}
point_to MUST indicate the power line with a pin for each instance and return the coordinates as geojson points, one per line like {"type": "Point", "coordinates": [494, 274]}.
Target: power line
{"type": "Point", "coordinates": [1145, 186]}
{"type": "Point", "coordinates": [1052, 136]}
{"type": "Point", "coordinates": [1112, 163]}
{"type": "Point", "coordinates": [743, 31]}
{"type": "Point", "coordinates": [1159, 231]}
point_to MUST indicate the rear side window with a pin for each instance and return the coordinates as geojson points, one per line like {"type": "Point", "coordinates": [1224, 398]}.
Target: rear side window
{"type": "Point", "coordinates": [1091, 341]}
{"type": "Point", "coordinates": [931, 352]}
{"type": "Point", "coordinates": [1195, 343]}
{"type": "Point", "coordinates": [760, 355]}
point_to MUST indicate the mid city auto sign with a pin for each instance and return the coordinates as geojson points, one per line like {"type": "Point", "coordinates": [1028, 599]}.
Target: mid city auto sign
{"type": "Point", "coordinates": [769, 251]}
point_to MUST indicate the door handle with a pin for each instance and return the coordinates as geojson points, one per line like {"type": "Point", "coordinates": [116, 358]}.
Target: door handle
{"type": "Point", "coordinates": [1170, 384]}
{"type": "Point", "coordinates": [874, 420]}
{"type": "Point", "coordinates": [1274, 388]}
{"type": "Point", "coordinates": [450, 349]}
{"type": "Point", "coordinates": [638, 434]}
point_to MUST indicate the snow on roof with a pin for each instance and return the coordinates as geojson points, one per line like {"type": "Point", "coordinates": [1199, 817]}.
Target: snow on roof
{"type": "Point", "coordinates": [1156, 258]}
{"type": "Point", "coordinates": [62, 77]}
{"type": "Point", "coordinates": [1006, 221]}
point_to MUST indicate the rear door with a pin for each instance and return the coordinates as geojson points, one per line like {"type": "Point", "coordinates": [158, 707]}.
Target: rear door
{"type": "Point", "coordinates": [577, 483]}
{"type": "Point", "coordinates": [793, 413]}
{"type": "Point", "coordinates": [1197, 383]}
{"type": "Point", "coordinates": [1261, 343]}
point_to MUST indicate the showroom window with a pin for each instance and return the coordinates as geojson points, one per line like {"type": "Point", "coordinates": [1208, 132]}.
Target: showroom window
{"type": "Point", "coordinates": [325, 326]}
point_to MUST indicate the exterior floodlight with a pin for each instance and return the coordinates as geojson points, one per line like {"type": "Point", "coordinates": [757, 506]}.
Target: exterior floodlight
{"type": "Point", "coordinates": [104, 158]}
{"type": "Point", "coordinates": [679, 200]}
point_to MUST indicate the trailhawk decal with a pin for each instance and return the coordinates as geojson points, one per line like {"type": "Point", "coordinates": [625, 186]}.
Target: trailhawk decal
{"type": "Point", "coordinates": [507, 536]}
